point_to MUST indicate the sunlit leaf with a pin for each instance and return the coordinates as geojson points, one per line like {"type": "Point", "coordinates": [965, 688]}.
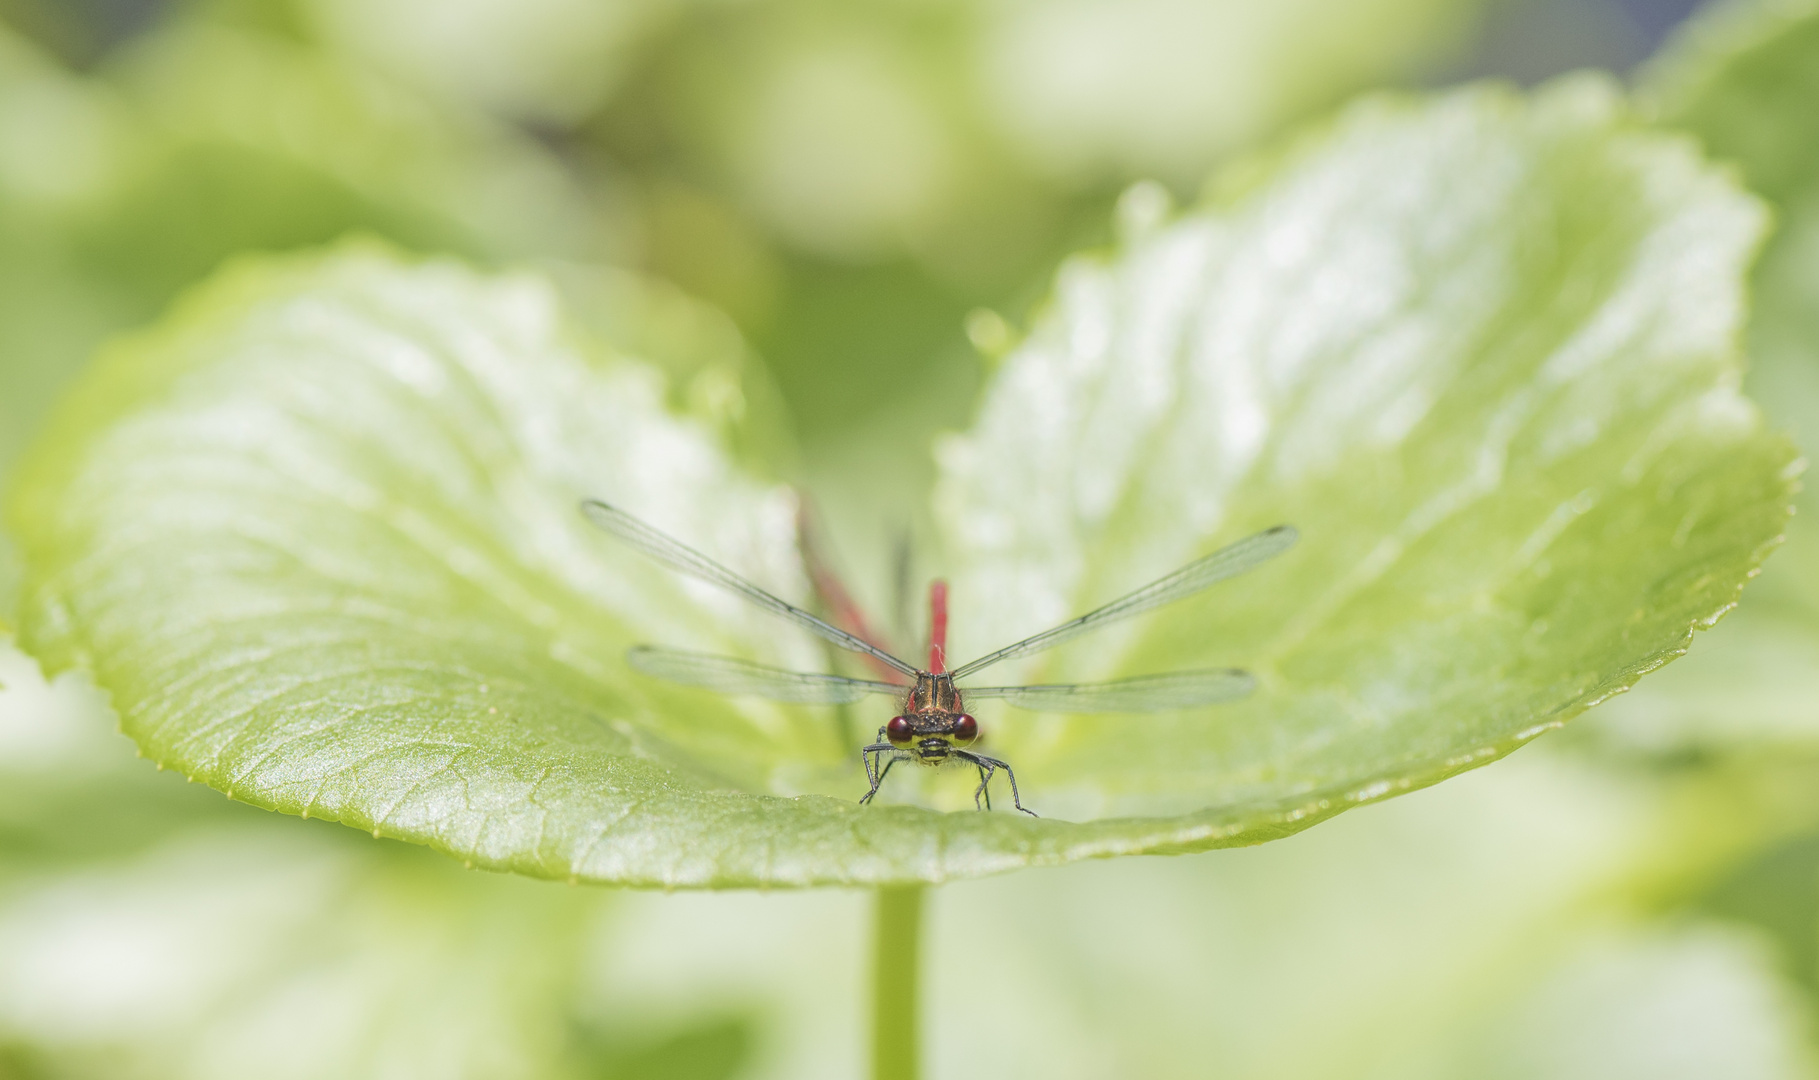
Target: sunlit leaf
{"type": "Point", "coordinates": [317, 534]}
{"type": "Point", "coordinates": [1517, 465]}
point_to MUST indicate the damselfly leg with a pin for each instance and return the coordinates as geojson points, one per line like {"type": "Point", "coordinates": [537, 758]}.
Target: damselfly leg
{"type": "Point", "coordinates": [988, 766]}
{"type": "Point", "coordinates": [871, 755]}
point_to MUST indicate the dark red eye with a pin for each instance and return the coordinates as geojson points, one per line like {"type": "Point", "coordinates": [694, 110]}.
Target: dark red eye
{"type": "Point", "coordinates": [966, 729]}
{"type": "Point", "coordinates": [898, 731]}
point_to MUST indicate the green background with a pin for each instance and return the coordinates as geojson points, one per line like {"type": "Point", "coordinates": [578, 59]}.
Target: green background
{"type": "Point", "coordinates": [828, 283]}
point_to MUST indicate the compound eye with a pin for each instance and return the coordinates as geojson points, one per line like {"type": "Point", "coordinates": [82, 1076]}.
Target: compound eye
{"type": "Point", "coordinates": [898, 731]}
{"type": "Point", "coordinates": [966, 729]}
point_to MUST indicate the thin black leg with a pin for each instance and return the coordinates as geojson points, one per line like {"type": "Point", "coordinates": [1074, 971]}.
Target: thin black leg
{"type": "Point", "coordinates": [988, 765]}
{"type": "Point", "coordinates": [985, 785]}
{"type": "Point", "coordinates": [870, 755]}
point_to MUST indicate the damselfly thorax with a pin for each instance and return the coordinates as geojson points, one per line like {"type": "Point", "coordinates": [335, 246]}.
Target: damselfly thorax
{"type": "Point", "coordinates": [934, 727]}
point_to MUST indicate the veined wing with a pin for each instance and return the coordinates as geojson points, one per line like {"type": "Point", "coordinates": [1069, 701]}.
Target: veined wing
{"type": "Point", "coordinates": [729, 675]}
{"type": "Point", "coordinates": [1146, 693]}
{"type": "Point", "coordinates": [1227, 562]}
{"type": "Point", "coordinates": [679, 556]}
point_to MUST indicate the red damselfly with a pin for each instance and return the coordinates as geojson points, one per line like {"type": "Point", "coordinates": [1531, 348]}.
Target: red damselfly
{"type": "Point", "coordinates": [934, 726]}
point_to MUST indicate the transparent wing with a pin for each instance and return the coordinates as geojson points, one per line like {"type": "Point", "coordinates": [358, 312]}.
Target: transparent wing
{"type": "Point", "coordinates": [728, 675]}
{"type": "Point", "coordinates": [1227, 562]}
{"type": "Point", "coordinates": [679, 556]}
{"type": "Point", "coordinates": [1146, 693]}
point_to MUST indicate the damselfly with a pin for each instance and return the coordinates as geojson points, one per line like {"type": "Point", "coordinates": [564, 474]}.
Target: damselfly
{"type": "Point", "coordinates": [934, 726]}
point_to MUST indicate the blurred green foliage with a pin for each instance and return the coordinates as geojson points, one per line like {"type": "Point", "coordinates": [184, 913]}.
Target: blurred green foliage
{"type": "Point", "coordinates": [1742, 80]}
{"type": "Point", "coordinates": [1635, 897]}
{"type": "Point", "coordinates": [204, 142]}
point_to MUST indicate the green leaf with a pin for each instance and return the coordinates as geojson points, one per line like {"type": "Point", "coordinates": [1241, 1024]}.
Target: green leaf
{"type": "Point", "coordinates": [317, 534]}
{"type": "Point", "coordinates": [1483, 360]}
{"type": "Point", "coordinates": [1743, 77]}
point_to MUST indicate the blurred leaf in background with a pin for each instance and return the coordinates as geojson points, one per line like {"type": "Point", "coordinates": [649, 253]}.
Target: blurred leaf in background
{"type": "Point", "coordinates": [545, 63]}
{"type": "Point", "coordinates": [199, 142]}
{"type": "Point", "coordinates": [851, 180]}
{"type": "Point", "coordinates": [150, 929]}
{"type": "Point", "coordinates": [1741, 78]}
{"type": "Point", "coordinates": [1099, 90]}
{"type": "Point", "coordinates": [1516, 922]}
{"type": "Point", "coordinates": [1505, 924]}
{"type": "Point", "coordinates": [251, 125]}
{"type": "Point", "coordinates": [1744, 79]}
{"type": "Point", "coordinates": [61, 142]}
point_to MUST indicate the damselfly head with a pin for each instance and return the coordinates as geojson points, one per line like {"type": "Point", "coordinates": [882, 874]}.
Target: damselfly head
{"type": "Point", "coordinates": [928, 735]}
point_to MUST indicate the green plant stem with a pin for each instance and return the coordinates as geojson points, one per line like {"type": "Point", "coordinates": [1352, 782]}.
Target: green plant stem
{"type": "Point", "coordinates": [897, 983]}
